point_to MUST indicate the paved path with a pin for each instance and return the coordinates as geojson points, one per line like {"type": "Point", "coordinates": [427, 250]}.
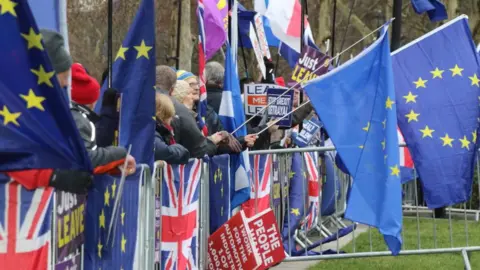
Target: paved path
{"type": "Point", "coordinates": [332, 245]}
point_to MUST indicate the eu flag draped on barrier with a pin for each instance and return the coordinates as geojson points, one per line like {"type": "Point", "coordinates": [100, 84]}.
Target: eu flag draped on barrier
{"type": "Point", "coordinates": [180, 194]}
{"type": "Point", "coordinates": [36, 128]}
{"type": "Point", "coordinates": [219, 191]}
{"type": "Point", "coordinates": [360, 95]}
{"type": "Point", "coordinates": [232, 115]}
{"type": "Point", "coordinates": [437, 90]}
{"type": "Point", "coordinates": [124, 253]}
{"type": "Point", "coordinates": [26, 222]}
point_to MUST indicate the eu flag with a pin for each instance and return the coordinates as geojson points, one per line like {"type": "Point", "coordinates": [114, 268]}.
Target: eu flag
{"type": "Point", "coordinates": [134, 76]}
{"type": "Point", "coordinates": [36, 127]}
{"type": "Point", "coordinates": [435, 9]}
{"type": "Point", "coordinates": [437, 90]}
{"type": "Point", "coordinates": [356, 103]}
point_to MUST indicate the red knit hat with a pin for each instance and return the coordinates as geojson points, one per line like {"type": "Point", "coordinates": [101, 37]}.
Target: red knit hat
{"type": "Point", "coordinates": [85, 89]}
{"type": "Point", "coordinates": [280, 81]}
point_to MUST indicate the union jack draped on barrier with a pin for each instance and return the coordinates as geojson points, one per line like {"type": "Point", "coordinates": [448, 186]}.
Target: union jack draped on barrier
{"type": "Point", "coordinates": [260, 188]}
{"type": "Point", "coordinates": [180, 194]}
{"type": "Point", "coordinates": [311, 162]}
{"type": "Point", "coordinates": [25, 226]}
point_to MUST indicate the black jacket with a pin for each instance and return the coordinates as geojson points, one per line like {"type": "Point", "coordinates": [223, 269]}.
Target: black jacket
{"type": "Point", "coordinates": [99, 156]}
{"type": "Point", "coordinates": [187, 132]}
{"type": "Point", "coordinates": [214, 97]}
{"type": "Point", "coordinates": [170, 153]}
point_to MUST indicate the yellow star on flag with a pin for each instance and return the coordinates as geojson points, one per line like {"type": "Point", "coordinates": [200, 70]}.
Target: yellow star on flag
{"type": "Point", "coordinates": [383, 144]}
{"type": "Point", "coordinates": [123, 216]}
{"type": "Point", "coordinates": [101, 219]}
{"type": "Point", "coordinates": [465, 142]}
{"type": "Point", "coordinates": [121, 53]}
{"type": "Point", "coordinates": [427, 132]}
{"type": "Point", "coordinates": [143, 50]}
{"type": "Point", "coordinates": [366, 128]}
{"type": "Point", "coordinates": [410, 97]}
{"type": "Point", "coordinates": [361, 146]}
{"type": "Point", "coordinates": [107, 197]}
{"type": "Point", "coordinates": [33, 101]}
{"type": "Point", "coordinates": [437, 73]}
{"type": "Point", "coordinates": [475, 80]}
{"type": "Point", "coordinates": [412, 116]}
{"type": "Point", "coordinates": [474, 136]}
{"type": "Point", "coordinates": [456, 71]}
{"type": "Point", "coordinates": [99, 246]}
{"type": "Point", "coordinates": [295, 211]}
{"type": "Point", "coordinates": [124, 243]}
{"type": "Point", "coordinates": [33, 39]}
{"type": "Point", "coordinates": [43, 77]}
{"type": "Point", "coordinates": [447, 140]}
{"type": "Point", "coordinates": [114, 187]}
{"type": "Point", "coordinates": [8, 6]}
{"type": "Point", "coordinates": [395, 170]}
{"type": "Point", "coordinates": [389, 103]}
{"type": "Point", "coordinates": [9, 117]}
{"type": "Point", "coordinates": [420, 83]}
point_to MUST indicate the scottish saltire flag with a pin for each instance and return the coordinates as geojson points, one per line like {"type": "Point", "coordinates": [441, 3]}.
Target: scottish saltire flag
{"type": "Point", "coordinates": [219, 191]}
{"type": "Point", "coordinates": [314, 186]}
{"type": "Point", "coordinates": [36, 127]}
{"type": "Point", "coordinates": [369, 147]}
{"type": "Point", "coordinates": [296, 202]}
{"type": "Point", "coordinates": [25, 224]}
{"type": "Point", "coordinates": [124, 251]}
{"type": "Point", "coordinates": [437, 89]}
{"type": "Point", "coordinates": [214, 23]}
{"type": "Point", "coordinates": [232, 115]}
{"type": "Point", "coordinates": [202, 105]}
{"type": "Point", "coordinates": [180, 194]}
{"type": "Point", "coordinates": [261, 185]}
{"type": "Point", "coordinates": [435, 9]}
{"type": "Point", "coordinates": [134, 77]}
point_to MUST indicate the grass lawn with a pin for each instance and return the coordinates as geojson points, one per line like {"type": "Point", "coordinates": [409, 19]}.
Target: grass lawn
{"type": "Point", "coordinates": [423, 262]}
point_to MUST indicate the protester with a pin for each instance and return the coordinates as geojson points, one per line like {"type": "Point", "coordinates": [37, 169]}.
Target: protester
{"type": "Point", "coordinates": [214, 76]}
{"type": "Point", "coordinates": [85, 89]}
{"type": "Point", "coordinates": [165, 147]}
{"type": "Point", "coordinates": [185, 128]}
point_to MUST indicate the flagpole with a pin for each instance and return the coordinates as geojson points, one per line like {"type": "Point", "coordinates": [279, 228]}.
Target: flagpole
{"type": "Point", "coordinates": [333, 26]}
{"type": "Point", "coordinates": [397, 25]}
{"type": "Point", "coordinates": [243, 53]}
{"type": "Point", "coordinates": [302, 43]}
{"type": "Point", "coordinates": [109, 42]}
{"type": "Point", "coordinates": [179, 31]}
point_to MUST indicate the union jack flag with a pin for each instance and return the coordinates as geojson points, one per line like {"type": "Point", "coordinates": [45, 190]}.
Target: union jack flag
{"type": "Point", "coordinates": [25, 229]}
{"type": "Point", "coordinates": [311, 162]}
{"type": "Point", "coordinates": [180, 215]}
{"type": "Point", "coordinates": [260, 190]}
{"type": "Point", "coordinates": [405, 157]}
{"type": "Point", "coordinates": [202, 105]}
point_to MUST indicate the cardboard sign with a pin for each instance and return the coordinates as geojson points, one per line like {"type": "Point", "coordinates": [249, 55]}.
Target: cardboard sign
{"type": "Point", "coordinates": [311, 64]}
{"type": "Point", "coordinates": [281, 107]}
{"type": "Point", "coordinates": [257, 50]}
{"type": "Point", "coordinates": [262, 38]}
{"type": "Point", "coordinates": [246, 243]}
{"type": "Point", "coordinates": [305, 136]}
{"type": "Point", "coordinates": [70, 223]}
{"type": "Point", "coordinates": [255, 97]}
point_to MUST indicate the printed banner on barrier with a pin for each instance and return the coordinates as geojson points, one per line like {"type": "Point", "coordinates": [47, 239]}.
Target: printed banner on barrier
{"type": "Point", "coordinates": [281, 106]}
{"type": "Point", "coordinates": [255, 97]}
{"type": "Point", "coordinates": [70, 223]}
{"type": "Point", "coordinates": [246, 243]}
{"type": "Point", "coordinates": [71, 264]}
{"type": "Point", "coordinates": [310, 65]}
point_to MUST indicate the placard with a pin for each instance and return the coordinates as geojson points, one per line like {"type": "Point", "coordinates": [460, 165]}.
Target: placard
{"type": "Point", "coordinates": [246, 243]}
{"type": "Point", "coordinates": [70, 264]}
{"type": "Point", "coordinates": [255, 97]}
{"type": "Point", "coordinates": [70, 223]}
{"type": "Point", "coordinates": [281, 107]}
{"type": "Point", "coordinates": [311, 64]}
{"type": "Point", "coordinates": [258, 50]}
{"type": "Point", "coordinates": [310, 129]}
{"type": "Point", "coordinates": [262, 38]}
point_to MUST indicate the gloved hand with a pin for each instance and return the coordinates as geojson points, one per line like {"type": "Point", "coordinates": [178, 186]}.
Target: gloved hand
{"type": "Point", "coordinates": [71, 181]}
{"type": "Point", "coordinates": [110, 97]}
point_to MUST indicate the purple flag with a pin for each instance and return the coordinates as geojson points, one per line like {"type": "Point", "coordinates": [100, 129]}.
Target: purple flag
{"type": "Point", "coordinates": [216, 22]}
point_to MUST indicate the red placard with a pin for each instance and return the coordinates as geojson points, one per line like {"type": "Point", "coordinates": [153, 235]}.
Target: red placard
{"type": "Point", "coordinates": [244, 243]}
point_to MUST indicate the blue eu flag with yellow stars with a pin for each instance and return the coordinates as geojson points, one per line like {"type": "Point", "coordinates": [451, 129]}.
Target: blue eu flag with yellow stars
{"type": "Point", "coordinates": [36, 127]}
{"type": "Point", "coordinates": [357, 105]}
{"type": "Point", "coordinates": [134, 76]}
{"type": "Point", "coordinates": [437, 92]}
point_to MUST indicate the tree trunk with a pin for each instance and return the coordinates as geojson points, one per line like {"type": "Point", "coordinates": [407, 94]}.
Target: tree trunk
{"type": "Point", "coordinates": [355, 21]}
{"type": "Point", "coordinates": [324, 32]}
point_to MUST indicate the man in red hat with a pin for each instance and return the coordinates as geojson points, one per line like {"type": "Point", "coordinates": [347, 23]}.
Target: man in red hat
{"type": "Point", "coordinates": [85, 89]}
